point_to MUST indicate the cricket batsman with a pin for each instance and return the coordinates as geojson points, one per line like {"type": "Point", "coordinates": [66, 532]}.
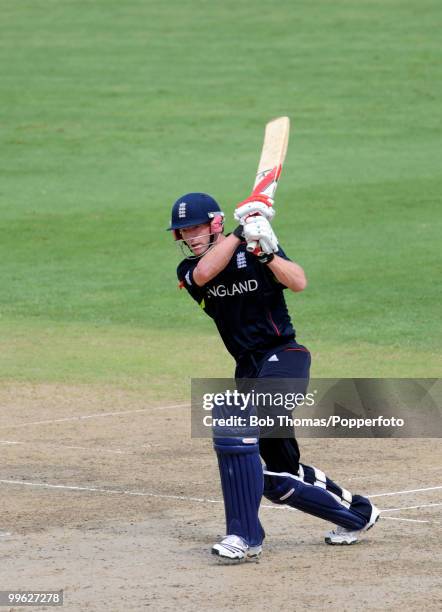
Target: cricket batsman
{"type": "Point", "coordinates": [243, 293]}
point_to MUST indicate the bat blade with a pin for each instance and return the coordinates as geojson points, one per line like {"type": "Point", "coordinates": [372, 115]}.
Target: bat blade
{"type": "Point", "coordinates": [274, 149]}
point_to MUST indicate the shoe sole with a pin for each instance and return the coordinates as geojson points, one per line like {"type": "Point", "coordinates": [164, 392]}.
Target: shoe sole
{"type": "Point", "coordinates": [329, 540]}
{"type": "Point", "coordinates": [254, 557]}
{"type": "Point", "coordinates": [342, 543]}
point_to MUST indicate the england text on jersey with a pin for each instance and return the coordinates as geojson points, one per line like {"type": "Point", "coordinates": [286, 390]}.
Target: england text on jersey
{"type": "Point", "coordinates": [233, 289]}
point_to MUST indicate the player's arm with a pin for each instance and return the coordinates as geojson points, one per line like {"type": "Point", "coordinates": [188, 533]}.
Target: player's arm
{"type": "Point", "coordinates": [215, 260]}
{"type": "Point", "coordinates": [257, 229]}
{"type": "Point", "coordinates": [288, 273]}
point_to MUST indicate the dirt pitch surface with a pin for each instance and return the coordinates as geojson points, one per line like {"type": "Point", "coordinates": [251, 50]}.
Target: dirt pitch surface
{"type": "Point", "coordinates": [108, 498]}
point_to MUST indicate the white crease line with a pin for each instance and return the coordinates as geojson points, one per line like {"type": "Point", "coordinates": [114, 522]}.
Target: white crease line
{"type": "Point", "coordinates": [412, 507]}
{"type": "Point", "coordinates": [164, 496]}
{"type": "Point", "coordinates": [90, 449]}
{"type": "Point", "coordinates": [3, 534]}
{"type": "Point", "coordinates": [111, 491]}
{"type": "Point", "coordinates": [404, 492]}
{"type": "Point", "coordinates": [122, 452]}
{"type": "Point", "coordinates": [152, 494]}
{"type": "Point", "coordinates": [173, 406]}
{"type": "Point", "coordinates": [93, 416]}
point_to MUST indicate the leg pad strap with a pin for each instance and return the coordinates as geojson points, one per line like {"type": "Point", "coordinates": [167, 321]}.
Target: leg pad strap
{"type": "Point", "coordinates": [285, 488]}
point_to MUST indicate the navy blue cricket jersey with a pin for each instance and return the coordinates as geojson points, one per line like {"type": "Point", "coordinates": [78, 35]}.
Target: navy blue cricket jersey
{"type": "Point", "coordinates": [246, 302]}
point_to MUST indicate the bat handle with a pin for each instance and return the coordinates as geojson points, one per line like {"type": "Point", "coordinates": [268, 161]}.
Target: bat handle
{"type": "Point", "coordinates": [254, 247]}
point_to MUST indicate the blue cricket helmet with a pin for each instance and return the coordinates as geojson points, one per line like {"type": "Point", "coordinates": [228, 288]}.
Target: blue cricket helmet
{"type": "Point", "coordinates": [193, 209]}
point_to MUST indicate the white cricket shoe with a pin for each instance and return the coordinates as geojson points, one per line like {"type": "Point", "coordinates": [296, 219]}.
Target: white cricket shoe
{"type": "Point", "coordinates": [341, 535]}
{"type": "Point", "coordinates": [232, 548]}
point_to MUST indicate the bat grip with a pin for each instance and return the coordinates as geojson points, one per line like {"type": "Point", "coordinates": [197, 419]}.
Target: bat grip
{"type": "Point", "coordinates": [254, 247]}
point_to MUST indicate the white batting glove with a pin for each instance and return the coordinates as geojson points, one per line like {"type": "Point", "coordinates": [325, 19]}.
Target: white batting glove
{"type": "Point", "coordinates": [258, 229]}
{"type": "Point", "coordinates": [258, 203]}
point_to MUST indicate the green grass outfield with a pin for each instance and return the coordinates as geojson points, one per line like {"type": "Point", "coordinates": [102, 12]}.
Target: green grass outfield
{"type": "Point", "coordinates": [110, 110]}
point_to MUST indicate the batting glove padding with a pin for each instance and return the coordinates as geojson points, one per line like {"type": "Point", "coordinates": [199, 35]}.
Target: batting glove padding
{"type": "Point", "coordinates": [258, 229]}
{"type": "Point", "coordinates": [255, 204]}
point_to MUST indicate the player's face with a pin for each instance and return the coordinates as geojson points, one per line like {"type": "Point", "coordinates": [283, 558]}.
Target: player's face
{"type": "Point", "coordinates": [197, 237]}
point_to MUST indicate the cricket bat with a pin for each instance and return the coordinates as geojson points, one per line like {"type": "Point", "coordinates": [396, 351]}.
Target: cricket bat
{"type": "Point", "coordinates": [274, 149]}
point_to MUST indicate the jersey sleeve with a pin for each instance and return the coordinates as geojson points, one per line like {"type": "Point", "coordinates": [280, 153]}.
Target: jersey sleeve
{"type": "Point", "coordinates": [185, 276]}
